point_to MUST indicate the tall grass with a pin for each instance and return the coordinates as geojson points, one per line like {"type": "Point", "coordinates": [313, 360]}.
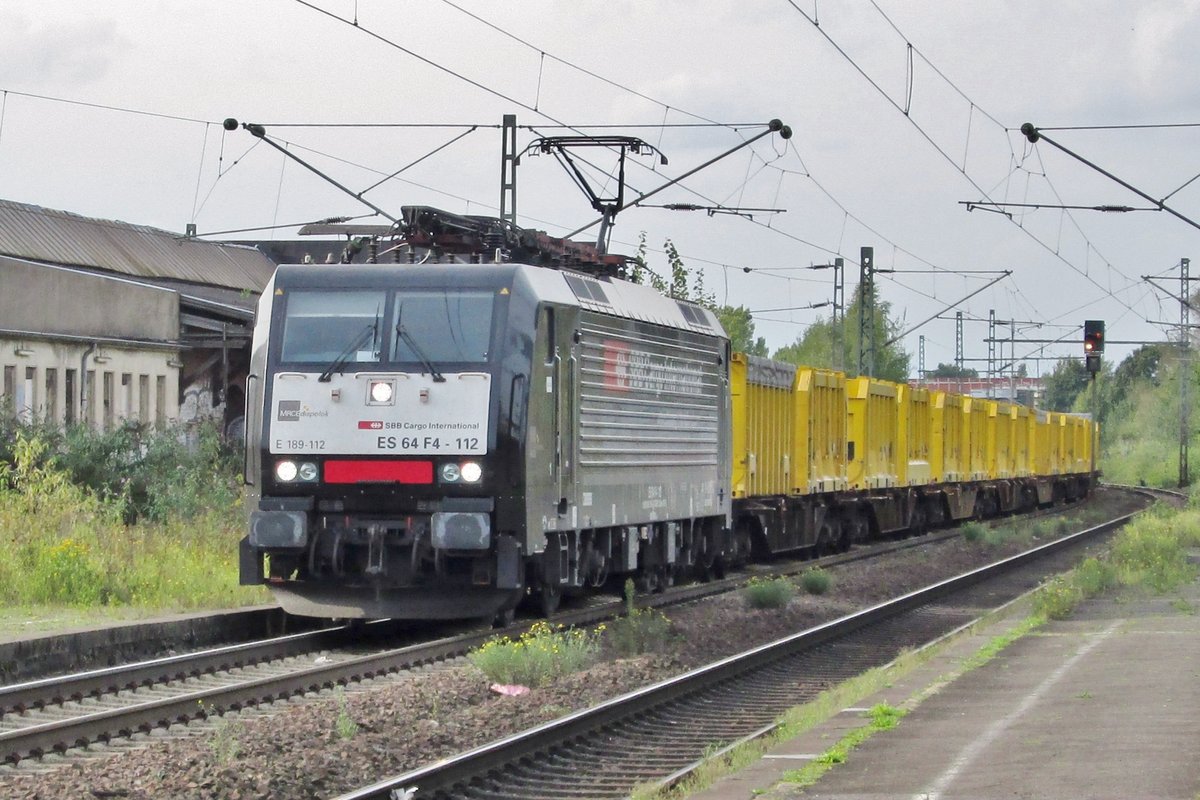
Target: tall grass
{"type": "Point", "coordinates": [1148, 554]}
{"type": "Point", "coordinates": [79, 537]}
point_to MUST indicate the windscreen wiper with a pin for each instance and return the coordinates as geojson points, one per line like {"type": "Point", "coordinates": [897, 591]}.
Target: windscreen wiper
{"type": "Point", "coordinates": [403, 334]}
{"type": "Point", "coordinates": [368, 334]}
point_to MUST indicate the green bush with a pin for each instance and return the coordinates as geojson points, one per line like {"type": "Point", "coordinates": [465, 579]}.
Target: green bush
{"type": "Point", "coordinates": [177, 472]}
{"type": "Point", "coordinates": [539, 656]}
{"type": "Point", "coordinates": [1058, 598]}
{"type": "Point", "coordinates": [641, 630]}
{"type": "Point", "coordinates": [973, 531]}
{"type": "Point", "coordinates": [816, 580]}
{"type": "Point", "coordinates": [1094, 576]}
{"type": "Point", "coordinates": [768, 593]}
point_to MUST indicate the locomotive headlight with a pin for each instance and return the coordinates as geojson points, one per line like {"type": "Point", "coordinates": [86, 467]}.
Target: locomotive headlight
{"type": "Point", "coordinates": [286, 471]}
{"type": "Point", "coordinates": [381, 392]}
{"type": "Point", "coordinates": [307, 471]}
{"type": "Point", "coordinates": [466, 472]}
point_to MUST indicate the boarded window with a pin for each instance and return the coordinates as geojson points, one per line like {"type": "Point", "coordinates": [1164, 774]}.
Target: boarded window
{"type": "Point", "coordinates": [70, 398]}
{"type": "Point", "coordinates": [126, 395]}
{"type": "Point", "coordinates": [87, 406]}
{"type": "Point", "coordinates": [108, 400]}
{"type": "Point", "coordinates": [50, 409]}
{"type": "Point", "coordinates": [160, 400]}
{"type": "Point", "coordinates": [143, 398]}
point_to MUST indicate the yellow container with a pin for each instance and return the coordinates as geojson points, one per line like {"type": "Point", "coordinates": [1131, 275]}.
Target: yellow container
{"type": "Point", "coordinates": [873, 433]}
{"type": "Point", "coordinates": [976, 437]}
{"type": "Point", "coordinates": [1022, 441]}
{"type": "Point", "coordinates": [763, 418]}
{"type": "Point", "coordinates": [819, 399]}
{"type": "Point", "coordinates": [1000, 439]}
{"type": "Point", "coordinates": [915, 435]}
{"type": "Point", "coordinates": [948, 444]}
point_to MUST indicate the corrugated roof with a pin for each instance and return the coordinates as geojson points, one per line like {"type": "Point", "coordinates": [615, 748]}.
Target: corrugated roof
{"type": "Point", "coordinates": [59, 237]}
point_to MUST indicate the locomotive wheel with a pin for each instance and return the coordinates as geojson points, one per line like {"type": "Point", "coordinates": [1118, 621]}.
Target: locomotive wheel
{"type": "Point", "coordinates": [508, 612]}
{"type": "Point", "coordinates": [549, 597]}
{"type": "Point", "coordinates": [649, 580]}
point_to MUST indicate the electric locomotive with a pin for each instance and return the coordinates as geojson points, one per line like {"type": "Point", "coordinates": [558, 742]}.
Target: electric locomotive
{"type": "Point", "coordinates": [442, 440]}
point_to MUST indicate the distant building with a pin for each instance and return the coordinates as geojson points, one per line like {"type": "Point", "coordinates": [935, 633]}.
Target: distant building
{"type": "Point", "coordinates": [102, 321]}
{"type": "Point", "coordinates": [1026, 391]}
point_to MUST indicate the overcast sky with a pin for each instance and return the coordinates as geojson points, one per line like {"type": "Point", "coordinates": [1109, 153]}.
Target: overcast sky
{"type": "Point", "coordinates": [889, 140]}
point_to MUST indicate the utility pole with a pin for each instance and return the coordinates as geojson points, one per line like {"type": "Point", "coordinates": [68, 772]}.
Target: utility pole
{"type": "Point", "coordinates": [991, 372]}
{"type": "Point", "coordinates": [866, 311]}
{"type": "Point", "coordinates": [839, 314]}
{"type": "Point", "coordinates": [958, 346]}
{"type": "Point", "coordinates": [921, 358]}
{"type": "Point", "coordinates": [1185, 318]}
{"type": "Point", "coordinates": [1012, 361]}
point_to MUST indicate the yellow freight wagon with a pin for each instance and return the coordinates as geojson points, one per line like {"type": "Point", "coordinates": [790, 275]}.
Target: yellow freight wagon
{"type": "Point", "coordinates": [763, 417]}
{"type": "Point", "coordinates": [1022, 441]}
{"type": "Point", "coordinates": [819, 399]}
{"type": "Point", "coordinates": [915, 436]}
{"type": "Point", "coordinates": [873, 450]}
{"type": "Point", "coordinates": [1066, 445]}
{"type": "Point", "coordinates": [975, 436]}
{"type": "Point", "coordinates": [947, 450]}
{"type": "Point", "coordinates": [1081, 443]}
{"type": "Point", "coordinates": [1044, 461]}
{"type": "Point", "coordinates": [1000, 436]}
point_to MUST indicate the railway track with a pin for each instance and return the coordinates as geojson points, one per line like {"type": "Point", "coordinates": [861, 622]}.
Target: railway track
{"type": "Point", "coordinates": [657, 734]}
{"type": "Point", "coordinates": [54, 715]}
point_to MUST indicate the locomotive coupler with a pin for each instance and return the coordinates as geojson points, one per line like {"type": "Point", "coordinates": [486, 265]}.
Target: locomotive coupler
{"type": "Point", "coordinates": [375, 549]}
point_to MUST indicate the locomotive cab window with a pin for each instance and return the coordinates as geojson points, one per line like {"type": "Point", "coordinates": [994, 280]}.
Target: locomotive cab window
{"type": "Point", "coordinates": [321, 326]}
{"type": "Point", "coordinates": [442, 325]}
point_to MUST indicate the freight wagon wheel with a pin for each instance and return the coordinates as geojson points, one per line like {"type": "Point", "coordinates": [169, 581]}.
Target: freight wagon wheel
{"type": "Point", "coordinates": [918, 525]}
{"type": "Point", "coordinates": [826, 540]}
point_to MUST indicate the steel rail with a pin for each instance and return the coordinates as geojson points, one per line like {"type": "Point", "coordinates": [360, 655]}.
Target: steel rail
{"type": "Point", "coordinates": [55, 690]}
{"type": "Point", "coordinates": [474, 764]}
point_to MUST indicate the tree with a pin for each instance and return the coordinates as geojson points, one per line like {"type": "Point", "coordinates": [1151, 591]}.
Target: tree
{"type": "Point", "coordinates": [739, 326]}
{"type": "Point", "coordinates": [687, 284]}
{"type": "Point", "coordinates": [952, 371]}
{"type": "Point", "coordinates": [1067, 381]}
{"type": "Point", "coordinates": [816, 346]}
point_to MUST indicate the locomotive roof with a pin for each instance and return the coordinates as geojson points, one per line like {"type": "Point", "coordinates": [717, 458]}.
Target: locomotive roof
{"type": "Point", "coordinates": [616, 297]}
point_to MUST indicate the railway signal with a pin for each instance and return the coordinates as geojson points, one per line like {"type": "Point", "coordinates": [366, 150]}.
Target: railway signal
{"type": "Point", "coordinates": [1093, 343]}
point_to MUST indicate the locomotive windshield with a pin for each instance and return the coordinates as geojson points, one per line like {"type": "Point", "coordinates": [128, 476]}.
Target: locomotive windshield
{"type": "Point", "coordinates": [321, 326]}
{"type": "Point", "coordinates": [428, 326]}
{"type": "Point", "coordinates": [443, 325]}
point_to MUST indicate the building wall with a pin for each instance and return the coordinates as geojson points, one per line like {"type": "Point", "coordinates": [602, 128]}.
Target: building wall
{"type": "Point", "coordinates": [54, 300]}
{"type": "Point", "coordinates": [61, 381]}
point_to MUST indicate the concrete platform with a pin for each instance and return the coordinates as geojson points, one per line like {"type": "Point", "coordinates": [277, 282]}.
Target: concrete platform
{"type": "Point", "coordinates": [1104, 705]}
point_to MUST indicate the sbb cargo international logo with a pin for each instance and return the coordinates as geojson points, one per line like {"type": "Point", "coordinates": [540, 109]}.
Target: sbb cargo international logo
{"type": "Point", "coordinates": [370, 425]}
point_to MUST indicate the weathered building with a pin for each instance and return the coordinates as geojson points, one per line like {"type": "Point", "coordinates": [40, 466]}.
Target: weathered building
{"type": "Point", "coordinates": [102, 321]}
